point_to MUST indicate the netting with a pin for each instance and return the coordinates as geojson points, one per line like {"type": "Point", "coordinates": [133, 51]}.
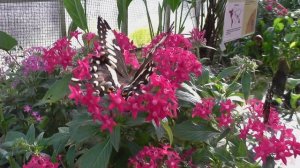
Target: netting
{"type": "Point", "coordinates": [42, 22]}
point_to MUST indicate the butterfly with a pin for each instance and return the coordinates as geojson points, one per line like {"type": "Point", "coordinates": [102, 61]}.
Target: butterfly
{"type": "Point", "coordinates": [109, 71]}
{"type": "Point", "coordinates": [277, 87]}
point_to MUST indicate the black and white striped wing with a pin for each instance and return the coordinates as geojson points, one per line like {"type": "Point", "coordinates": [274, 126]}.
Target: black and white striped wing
{"type": "Point", "coordinates": [108, 70]}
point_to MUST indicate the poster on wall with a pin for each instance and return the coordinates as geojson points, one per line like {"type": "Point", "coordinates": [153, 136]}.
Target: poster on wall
{"type": "Point", "coordinates": [239, 19]}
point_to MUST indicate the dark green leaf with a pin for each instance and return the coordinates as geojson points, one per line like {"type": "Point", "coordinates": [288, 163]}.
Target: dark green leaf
{"type": "Point", "coordinates": [227, 72]}
{"type": "Point", "coordinates": [96, 157]}
{"type": "Point", "coordinates": [59, 140]}
{"type": "Point", "coordinates": [30, 135]}
{"type": "Point", "coordinates": [13, 135]}
{"type": "Point", "coordinates": [76, 12]}
{"type": "Point", "coordinates": [7, 42]}
{"type": "Point", "coordinates": [174, 4]}
{"type": "Point", "coordinates": [223, 154]}
{"type": "Point", "coordinates": [70, 156]}
{"type": "Point", "coordinates": [197, 133]}
{"type": "Point", "coordinates": [246, 84]}
{"type": "Point", "coordinates": [57, 91]}
{"type": "Point", "coordinates": [115, 137]}
{"type": "Point", "coordinates": [83, 132]}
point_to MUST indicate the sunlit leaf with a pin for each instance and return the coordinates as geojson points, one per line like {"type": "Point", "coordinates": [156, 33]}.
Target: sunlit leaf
{"type": "Point", "coordinates": [76, 12]}
{"type": "Point", "coordinates": [7, 42]}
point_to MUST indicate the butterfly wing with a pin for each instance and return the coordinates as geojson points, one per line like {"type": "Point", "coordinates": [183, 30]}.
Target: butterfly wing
{"type": "Point", "coordinates": [108, 70]}
{"type": "Point", "coordinates": [112, 52]}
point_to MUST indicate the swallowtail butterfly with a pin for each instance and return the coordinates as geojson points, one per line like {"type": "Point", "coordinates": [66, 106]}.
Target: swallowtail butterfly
{"type": "Point", "coordinates": [277, 87]}
{"type": "Point", "coordinates": [109, 71]}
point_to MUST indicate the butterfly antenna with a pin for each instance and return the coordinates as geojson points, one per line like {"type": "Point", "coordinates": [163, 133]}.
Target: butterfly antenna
{"type": "Point", "coordinates": [171, 27]}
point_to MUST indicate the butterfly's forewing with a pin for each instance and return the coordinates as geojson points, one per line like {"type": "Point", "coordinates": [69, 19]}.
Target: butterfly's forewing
{"type": "Point", "coordinates": [108, 70]}
{"type": "Point", "coordinates": [113, 55]}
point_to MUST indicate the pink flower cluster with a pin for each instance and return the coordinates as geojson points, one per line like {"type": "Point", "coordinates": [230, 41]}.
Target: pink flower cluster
{"type": "Point", "coordinates": [158, 101]}
{"type": "Point", "coordinates": [36, 115]}
{"type": "Point", "coordinates": [92, 102]}
{"type": "Point", "coordinates": [174, 61]}
{"type": "Point", "coordinates": [198, 37]}
{"type": "Point", "coordinates": [273, 138]}
{"type": "Point", "coordinates": [152, 157]}
{"type": "Point", "coordinates": [276, 7]}
{"type": "Point", "coordinates": [33, 61]}
{"type": "Point", "coordinates": [127, 47]}
{"type": "Point", "coordinates": [39, 161]}
{"type": "Point", "coordinates": [61, 54]}
{"type": "Point", "coordinates": [205, 108]}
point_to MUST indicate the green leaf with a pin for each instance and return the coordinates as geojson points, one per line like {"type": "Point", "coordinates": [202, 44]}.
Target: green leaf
{"type": "Point", "coordinates": [227, 72]}
{"type": "Point", "coordinates": [246, 84]}
{"type": "Point", "coordinates": [279, 27]}
{"type": "Point", "coordinates": [168, 130]}
{"type": "Point", "coordinates": [57, 91]}
{"type": "Point", "coordinates": [13, 135]}
{"type": "Point", "coordinates": [290, 37]}
{"type": "Point", "coordinates": [223, 154]}
{"type": "Point", "coordinates": [96, 157]}
{"type": "Point", "coordinates": [174, 4]}
{"type": "Point", "coordinates": [242, 149]}
{"type": "Point", "coordinates": [70, 156]}
{"type": "Point", "coordinates": [7, 42]}
{"type": "Point", "coordinates": [291, 83]}
{"type": "Point", "coordinates": [83, 132]}
{"type": "Point", "coordinates": [58, 140]}
{"type": "Point", "coordinates": [197, 133]}
{"type": "Point", "coordinates": [76, 12]}
{"type": "Point", "coordinates": [30, 135]}
{"type": "Point", "coordinates": [294, 99]}
{"type": "Point", "coordinates": [115, 137]}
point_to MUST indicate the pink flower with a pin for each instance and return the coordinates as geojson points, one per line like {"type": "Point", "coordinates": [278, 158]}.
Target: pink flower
{"type": "Point", "coordinates": [61, 54]}
{"type": "Point", "coordinates": [153, 157]}
{"type": "Point", "coordinates": [269, 8]}
{"type": "Point", "coordinates": [82, 71]}
{"type": "Point", "coordinates": [76, 93]}
{"type": "Point", "coordinates": [126, 47]}
{"type": "Point", "coordinates": [204, 108]}
{"type": "Point", "coordinates": [224, 120]}
{"type": "Point", "coordinates": [107, 123]}
{"type": "Point", "coordinates": [75, 34]}
{"type": "Point", "coordinates": [117, 101]}
{"type": "Point", "coordinates": [176, 64]}
{"type": "Point", "coordinates": [89, 36]}
{"type": "Point", "coordinates": [273, 138]}
{"type": "Point", "coordinates": [198, 36]}
{"type": "Point", "coordinates": [227, 106]}
{"type": "Point", "coordinates": [40, 161]}
{"type": "Point", "coordinates": [27, 108]}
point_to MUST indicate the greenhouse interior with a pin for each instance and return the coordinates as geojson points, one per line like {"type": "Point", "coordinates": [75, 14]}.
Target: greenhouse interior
{"type": "Point", "coordinates": [149, 83]}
